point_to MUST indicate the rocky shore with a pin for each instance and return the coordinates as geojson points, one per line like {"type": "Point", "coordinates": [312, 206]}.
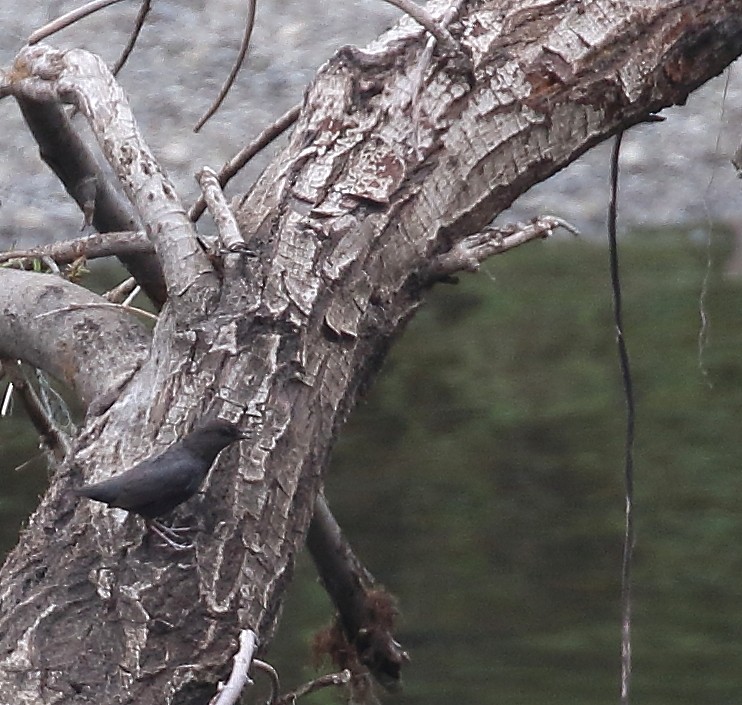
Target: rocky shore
{"type": "Point", "coordinates": [675, 172]}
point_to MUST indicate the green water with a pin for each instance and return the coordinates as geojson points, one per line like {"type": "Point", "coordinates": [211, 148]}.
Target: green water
{"type": "Point", "coordinates": [482, 483]}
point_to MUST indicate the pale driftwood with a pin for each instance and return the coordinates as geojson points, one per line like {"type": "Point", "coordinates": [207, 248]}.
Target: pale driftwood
{"type": "Point", "coordinates": [345, 223]}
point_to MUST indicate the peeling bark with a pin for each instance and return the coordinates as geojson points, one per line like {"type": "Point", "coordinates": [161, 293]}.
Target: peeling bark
{"type": "Point", "coordinates": [370, 190]}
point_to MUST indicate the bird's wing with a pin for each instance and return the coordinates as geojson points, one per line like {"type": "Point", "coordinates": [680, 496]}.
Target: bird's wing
{"type": "Point", "coordinates": [167, 477]}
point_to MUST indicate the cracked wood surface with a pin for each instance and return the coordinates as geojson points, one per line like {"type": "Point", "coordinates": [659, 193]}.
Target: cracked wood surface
{"type": "Point", "coordinates": [369, 189]}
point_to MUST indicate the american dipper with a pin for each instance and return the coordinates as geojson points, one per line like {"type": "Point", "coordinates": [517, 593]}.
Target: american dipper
{"type": "Point", "coordinates": [159, 484]}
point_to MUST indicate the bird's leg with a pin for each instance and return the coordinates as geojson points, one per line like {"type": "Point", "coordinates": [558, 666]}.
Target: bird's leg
{"type": "Point", "coordinates": [168, 535]}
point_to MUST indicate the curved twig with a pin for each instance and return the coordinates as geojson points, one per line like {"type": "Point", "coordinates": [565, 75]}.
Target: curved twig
{"type": "Point", "coordinates": [97, 304]}
{"type": "Point", "coordinates": [242, 157]}
{"type": "Point", "coordinates": [273, 675]}
{"type": "Point", "coordinates": [68, 19]}
{"type": "Point", "coordinates": [235, 68]}
{"type": "Point", "coordinates": [326, 681]}
{"type": "Point", "coordinates": [144, 9]}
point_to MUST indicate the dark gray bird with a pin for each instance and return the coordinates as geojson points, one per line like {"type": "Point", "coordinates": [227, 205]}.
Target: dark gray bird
{"type": "Point", "coordinates": [158, 484]}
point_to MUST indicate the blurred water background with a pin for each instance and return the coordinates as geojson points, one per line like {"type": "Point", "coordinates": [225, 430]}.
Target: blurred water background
{"type": "Point", "coordinates": [481, 482]}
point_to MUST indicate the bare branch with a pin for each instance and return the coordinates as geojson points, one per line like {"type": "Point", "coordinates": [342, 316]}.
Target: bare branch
{"type": "Point", "coordinates": [76, 166]}
{"type": "Point", "coordinates": [239, 160]}
{"type": "Point", "coordinates": [424, 18]}
{"type": "Point", "coordinates": [53, 437]}
{"type": "Point", "coordinates": [82, 79]}
{"type": "Point", "coordinates": [226, 225]}
{"type": "Point", "coordinates": [273, 675]}
{"type": "Point", "coordinates": [144, 9]}
{"type": "Point", "coordinates": [239, 677]}
{"type": "Point", "coordinates": [122, 292]}
{"type": "Point", "coordinates": [95, 346]}
{"type": "Point", "coordinates": [326, 681]}
{"type": "Point", "coordinates": [91, 247]}
{"type": "Point", "coordinates": [250, 22]}
{"type": "Point", "coordinates": [68, 19]}
{"type": "Point", "coordinates": [351, 589]}
{"type": "Point", "coordinates": [470, 252]}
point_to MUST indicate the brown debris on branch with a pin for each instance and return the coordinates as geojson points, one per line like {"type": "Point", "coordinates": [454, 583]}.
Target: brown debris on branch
{"type": "Point", "coordinates": [362, 635]}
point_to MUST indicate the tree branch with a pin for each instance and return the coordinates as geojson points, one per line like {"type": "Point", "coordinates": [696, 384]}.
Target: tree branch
{"type": "Point", "coordinates": [232, 167]}
{"type": "Point", "coordinates": [53, 438]}
{"type": "Point", "coordinates": [239, 677]}
{"type": "Point", "coordinates": [82, 79]}
{"type": "Point", "coordinates": [351, 589]}
{"type": "Point", "coordinates": [469, 253]}
{"type": "Point", "coordinates": [76, 166]}
{"type": "Point", "coordinates": [88, 349]}
{"type": "Point", "coordinates": [90, 247]}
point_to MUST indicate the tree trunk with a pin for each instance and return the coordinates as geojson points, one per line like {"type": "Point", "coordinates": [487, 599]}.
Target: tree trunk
{"type": "Point", "coordinates": [381, 177]}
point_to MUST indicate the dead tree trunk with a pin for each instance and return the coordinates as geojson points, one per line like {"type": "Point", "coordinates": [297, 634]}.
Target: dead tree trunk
{"type": "Point", "coordinates": [394, 166]}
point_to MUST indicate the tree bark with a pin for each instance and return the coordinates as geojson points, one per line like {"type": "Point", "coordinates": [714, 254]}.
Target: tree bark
{"type": "Point", "coordinates": [383, 173]}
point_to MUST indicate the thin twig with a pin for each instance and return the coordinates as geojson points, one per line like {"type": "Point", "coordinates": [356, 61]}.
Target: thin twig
{"type": "Point", "coordinates": [226, 224]}
{"type": "Point", "coordinates": [326, 681]}
{"type": "Point", "coordinates": [54, 439]}
{"type": "Point", "coordinates": [69, 18]}
{"type": "Point", "coordinates": [26, 463]}
{"type": "Point", "coordinates": [121, 292]}
{"type": "Point", "coordinates": [242, 157]}
{"type": "Point", "coordinates": [235, 68]}
{"type": "Point", "coordinates": [7, 400]}
{"type": "Point", "coordinates": [126, 303]}
{"type": "Point", "coordinates": [98, 304]}
{"type": "Point", "coordinates": [424, 62]}
{"type": "Point", "coordinates": [623, 356]}
{"type": "Point", "coordinates": [424, 18]}
{"type": "Point", "coordinates": [239, 677]}
{"type": "Point", "coordinates": [273, 675]}
{"type": "Point", "coordinates": [91, 247]}
{"type": "Point", "coordinates": [144, 9]}
{"type": "Point", "coordinates": [470, 252]}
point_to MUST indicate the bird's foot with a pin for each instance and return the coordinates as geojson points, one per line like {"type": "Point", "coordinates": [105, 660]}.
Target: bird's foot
{"type": "Point", "coordinates": [170, 535]}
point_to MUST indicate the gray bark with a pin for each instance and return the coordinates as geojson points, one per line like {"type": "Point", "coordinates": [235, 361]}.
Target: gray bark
{"type": "Point", "coordinates": [347, 224]}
